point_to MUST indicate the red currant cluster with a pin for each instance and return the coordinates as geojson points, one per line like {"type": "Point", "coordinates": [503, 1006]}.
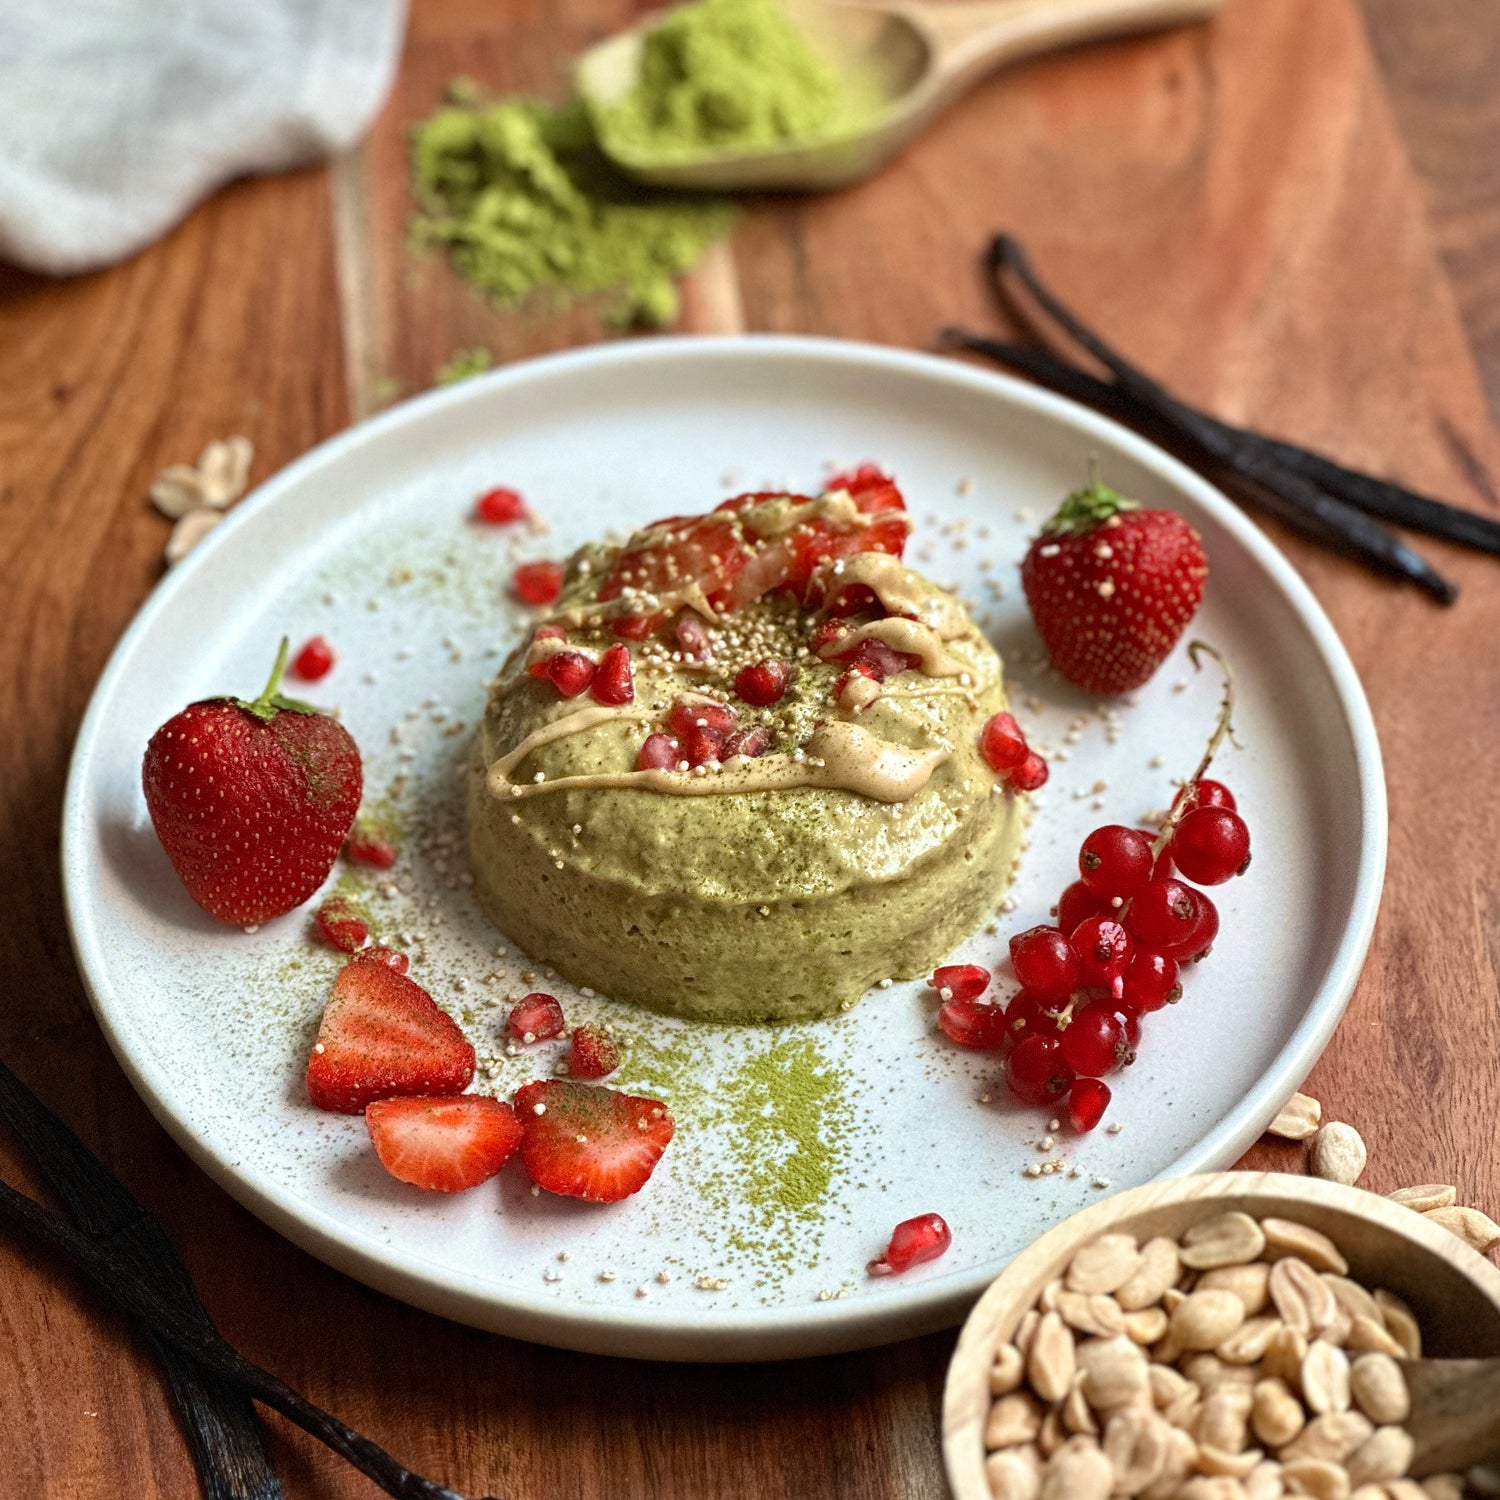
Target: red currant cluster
{"type": "Point", "coordinates": [1124, 928]}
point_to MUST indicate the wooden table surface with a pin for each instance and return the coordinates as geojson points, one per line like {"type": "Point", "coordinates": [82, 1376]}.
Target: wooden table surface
{"type": "Point", "coordinates": [1293, 215]}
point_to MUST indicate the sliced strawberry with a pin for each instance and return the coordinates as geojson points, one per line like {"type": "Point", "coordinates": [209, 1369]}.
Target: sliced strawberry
{"type": "Point", "coordinates": [693, 550]}
{"type": "Point", "coordinates": [593, 1053]}
{"type": "Point", "coordinates": [443, 1145]}
{"type": "Point", "coordinates": [588, 1142]}
{"type": "Point", "coordinates": [872, 488]}
{"type": "Point", "coordinates": [383, 1035]}
{"type": "Point", "coordinates": [341, 926]}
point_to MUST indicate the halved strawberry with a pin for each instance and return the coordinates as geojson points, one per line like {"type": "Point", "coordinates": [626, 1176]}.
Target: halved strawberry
{"type": "Point", "coordinates": [443, 1145]}
{"type": "Point", "coordinates": [588, 1142]}
{"type": "Point", "coordinates": [383, 1035]}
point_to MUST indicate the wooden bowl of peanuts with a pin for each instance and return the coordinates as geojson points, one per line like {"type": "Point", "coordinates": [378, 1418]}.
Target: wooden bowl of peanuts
{"type": "Point", "coordinates": [1228, 1336]}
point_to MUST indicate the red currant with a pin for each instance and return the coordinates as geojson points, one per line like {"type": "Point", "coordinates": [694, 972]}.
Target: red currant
{"type": "Point", "coordinates": [1087, 1100]}
{"type": "Point", "coordinates": [1045, 963]}
{"type": "Point", "coordinates": [1076, 903]}
{"type": "Point", "coordinates": [972, 1023]}
{"type": "Point", "coordinates": [1030, 774]}
{"type": "Point", "coordinates": [1163, 914]}
{"type": "Point", "coordinates": [1002, 744]}
{"type": "Point", "coordinates": [1150, 982]}
{"type": "Point", "coordinates": [537, 583]}
{"type": "Point", "coordinates": [1115, 861]}
{"type": "Point", "coordinates": [500, 507]}
{"type": "Point", "coordinates": [314, 660]}
{"type": "Point", "coordinates": [1094, 1042]}
{"type": "Point", "coordinates": [1131, 1021]}
{"type": "Point", "coordinates": [913, 1241]}
{"type": "Point", "coordinates": [1209, 794]}
{"type": "Point", "coordinates": [1205, 929]}
{"type": "Point", "coordinates": [1036, 1070]}
{"type": "Point", "coordinates": [763, 682]}
{"type": "Point", "coordinates": [1029, 1015]}
{"type": "Point", "coordinates": [1103, 947]}
{"type": "Point", "coordinates": [961, 981]}
{"type": "Point", "coordinates": [1210, 845]}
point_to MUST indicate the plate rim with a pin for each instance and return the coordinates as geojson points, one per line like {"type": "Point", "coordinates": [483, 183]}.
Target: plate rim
{"type": "Point", "coordinates": [768, 1333]}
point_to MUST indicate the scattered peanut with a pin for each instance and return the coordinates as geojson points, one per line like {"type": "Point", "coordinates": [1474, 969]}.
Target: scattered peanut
{"type": "Point", "coordinates": [1425, 1197]}
{"type": "Point", "coordinates": [1338, 1153]}
{"type": "Point", "coordinates": [1476, 1230]}
{"type": "Point", "coordinates": [1299, 1118]}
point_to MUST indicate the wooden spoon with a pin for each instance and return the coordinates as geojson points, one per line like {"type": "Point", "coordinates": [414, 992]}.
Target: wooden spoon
{"type": "Point", "coordinates": [913, 59]}
{"type": "Point", "coordinates": [1455, 1413]}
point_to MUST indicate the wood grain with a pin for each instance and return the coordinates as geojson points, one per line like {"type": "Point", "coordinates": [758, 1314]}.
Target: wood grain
{"type": "Point", "coordinates": [1234, 205]}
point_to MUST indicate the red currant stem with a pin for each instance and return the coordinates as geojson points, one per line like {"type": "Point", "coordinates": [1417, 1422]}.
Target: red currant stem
{"type": "Point", "coordinates": [1223, 730]}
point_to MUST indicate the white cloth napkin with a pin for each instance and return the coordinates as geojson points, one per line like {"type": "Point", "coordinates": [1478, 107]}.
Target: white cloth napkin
{"type": "Point", "coordinates": [117, 116]}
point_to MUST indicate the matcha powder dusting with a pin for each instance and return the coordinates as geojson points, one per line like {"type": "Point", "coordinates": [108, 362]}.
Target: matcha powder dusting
{"type": "Point", "coordinates": [522, 199]}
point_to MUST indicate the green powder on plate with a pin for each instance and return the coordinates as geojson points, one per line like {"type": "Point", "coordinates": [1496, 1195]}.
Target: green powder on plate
{"type": "Point", "coordinates": [526, 205]}
{"type": "Point", "coordinates": [725, 75]}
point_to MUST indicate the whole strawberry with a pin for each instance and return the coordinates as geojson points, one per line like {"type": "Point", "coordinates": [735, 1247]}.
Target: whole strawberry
{"type": "Point", "coordinates": [252, 801]}
{"type": "Point", "coordinates": [1111, 587]}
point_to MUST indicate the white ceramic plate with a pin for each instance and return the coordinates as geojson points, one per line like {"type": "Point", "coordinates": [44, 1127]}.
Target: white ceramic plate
{"type": "Point", "coordinates": [781, 1193]}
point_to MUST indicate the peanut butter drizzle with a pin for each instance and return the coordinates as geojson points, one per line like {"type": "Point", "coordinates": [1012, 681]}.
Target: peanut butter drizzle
{"type": "Point", "coordinates": [839, 756]}
{"type": "Point", "coordinates": [900, 591]}
{"type": "Point", "coordinates": [634, 602]}
{"type": "Point", "coordinates": [909, 636]}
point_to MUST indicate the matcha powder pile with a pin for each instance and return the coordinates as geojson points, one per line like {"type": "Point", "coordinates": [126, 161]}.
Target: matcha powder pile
{"type": "Point", "coordinates": [725, 75]}
{"type": "Point", "coordinates": [525, 203]}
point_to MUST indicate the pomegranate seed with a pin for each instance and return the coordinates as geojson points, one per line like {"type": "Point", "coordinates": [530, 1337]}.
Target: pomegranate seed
{"type": "Point", "coordinates": [1030, 1015]}
{"type": "Point", "coordinates": [1208, 794]}
{"type": "Point", "coordinates": [855, 675]}
{"type": "Point", "coordinates": [635, 627]}
{"type": "Point", "coordinates": [829, 633]}
{"type": "Point", "coordinates": [593, 1053]}
{"type": "Point", "coordinates": [387, 956]}
{"type": "Point", "coordinates": [500, 507]}
{"type": "Point", "coordinates": [1103, 946]}
{"type": "Point", "coordinates": [1002, 744]}
{"type": "Point", "coordinates": [1094, 1043]}
{"type": "Point", "coordinates": [1211, 845]}
{"type": "Point", "coordinates": [972, 1023]}
{"type": "Point", "coordinates": [692, 638]}
{"type": "Point", "coordinates": [1076, 903]}
{"type": "Point", "coordinates": [763, 683]}
{"type": "Point", "coordinates": [912, 1242]}
{"type": "Point", "coordinates": [747, 742]}
{"type": "Point", "coordinates": [1088, 1098]}
{"type": "Point", "coordinates": [314, 660]}
{"type": "Point", "coordinates": [853, 599]}
{"type": "Point", "coordinates": [369, 846]}
{"type": "Point", "coordinates": [1036, 1070]}
{"type": "Point", "coordinates": [538, 668]}
{"type": "Point", "coordinates": [614, 682]}
{"type": "Point", "coordinates": [1163, 914]}
{"type": "Point", "coordinates": [1150, 982]}
{"type": "Point", "coordinates": [341, 926]}
{"type": "Point", "coordinates": [1045, 963]}
{"type": "Point", "coordinates": [537, 1017]}
{"type": "Point", "coordinates": [1115, 861]}
{"type": "Point", "coordinates": [1031, 774]}
{"type": "Point", "coordinates": [571, 672]}
{"type": "Point", "coordinates": [961, 981]}
{"type": "Point", "coordinates": [660, 753]}
{"type": "Point", "coordinates": [715, 717]}
{"type": "Point", "coordinates": [884, 661]}
{"type": "Point", "coordinates": [537, 583]}
{"type": "Point", "coordinates": [1205, 929]}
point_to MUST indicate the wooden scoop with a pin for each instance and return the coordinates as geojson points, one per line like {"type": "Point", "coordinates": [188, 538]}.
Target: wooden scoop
{"type": "Point", "coordinates": [1455, 1413]}
{"type": "Point", "coordinates": [914, 60]}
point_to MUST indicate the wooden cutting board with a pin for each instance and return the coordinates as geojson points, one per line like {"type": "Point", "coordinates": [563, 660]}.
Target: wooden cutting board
{"type": "Point", "coordinates": [1231, 204]}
